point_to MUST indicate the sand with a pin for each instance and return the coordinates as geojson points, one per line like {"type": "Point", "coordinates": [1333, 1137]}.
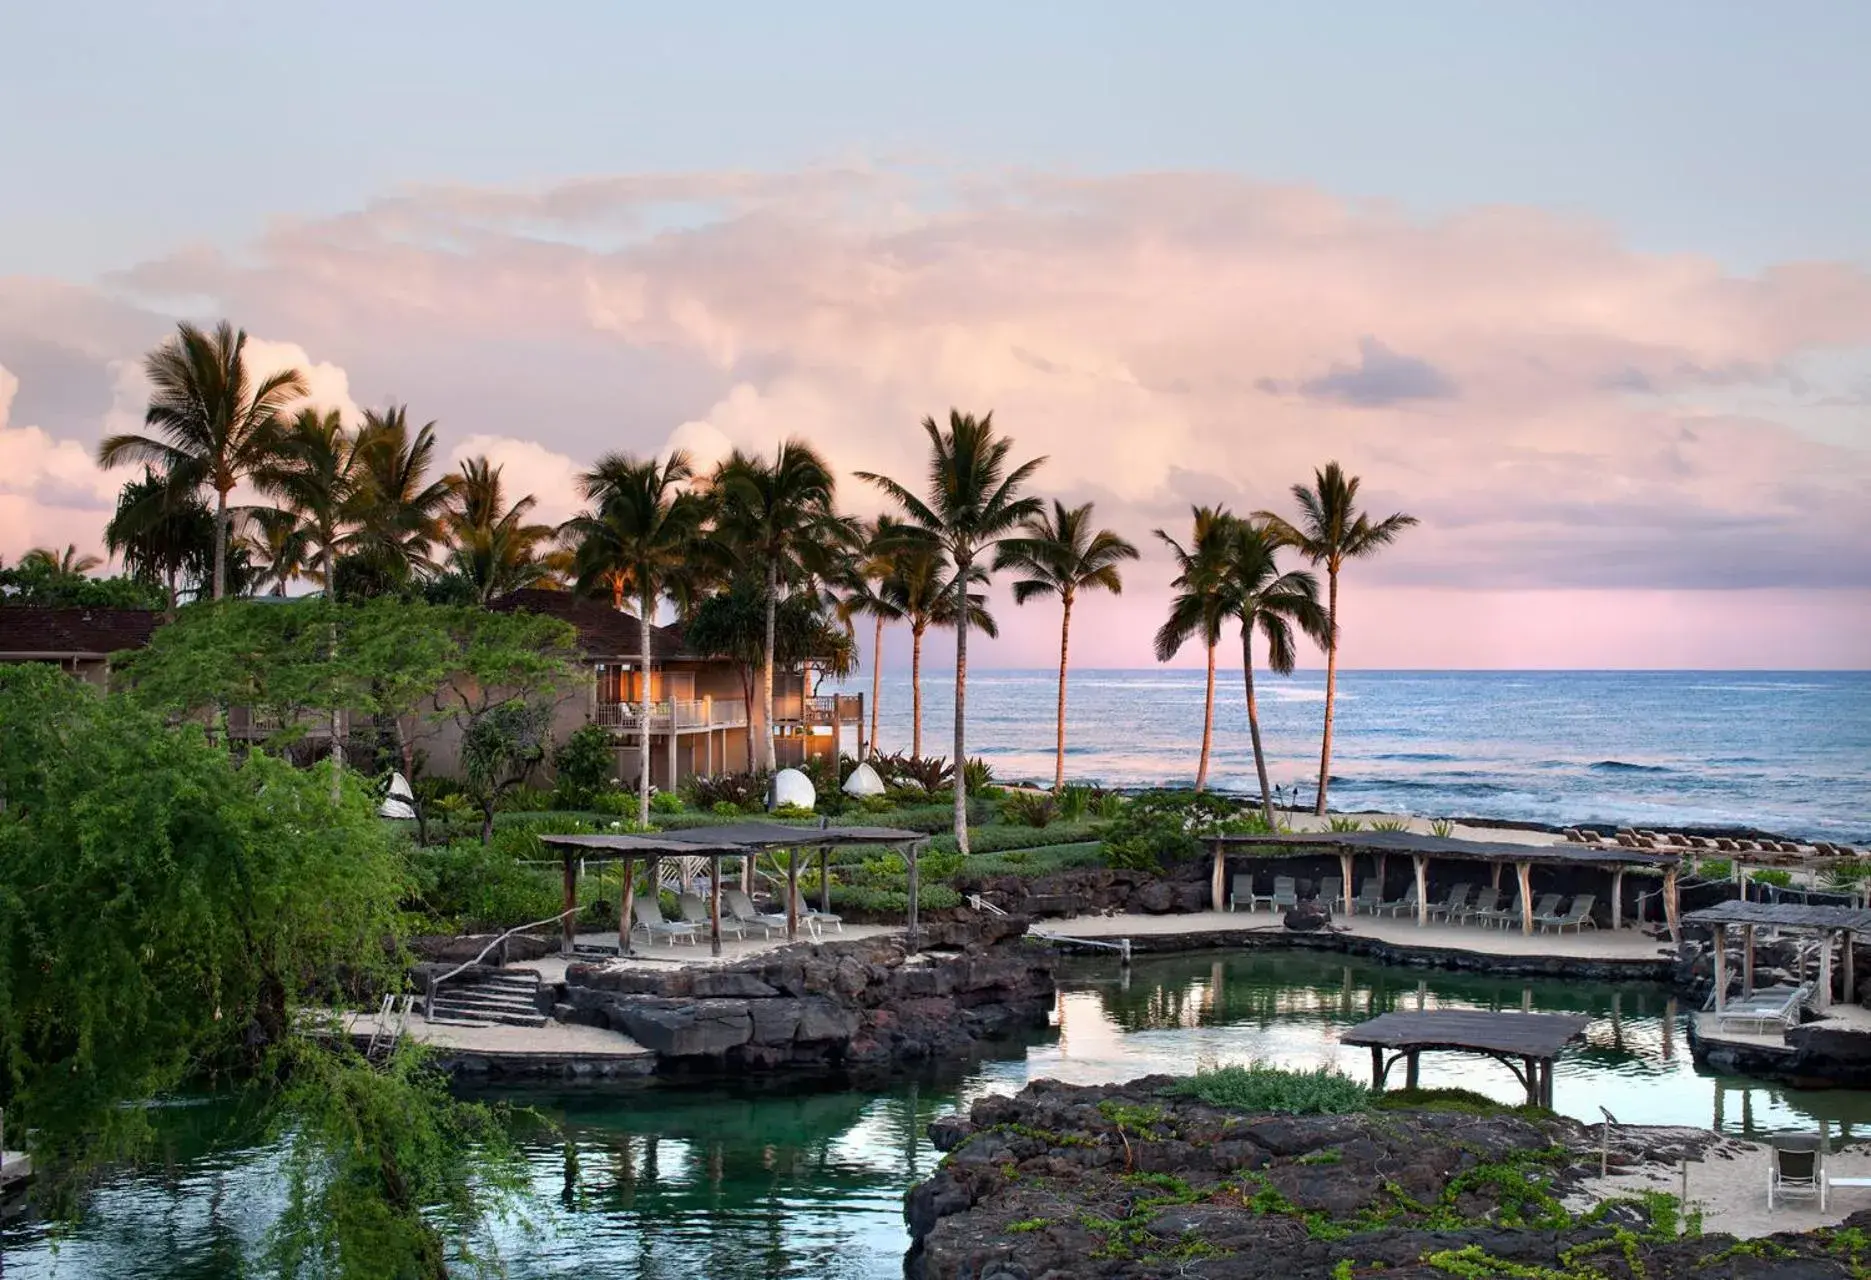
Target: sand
{"type": "Point", "coordinates": [1729, 1187]}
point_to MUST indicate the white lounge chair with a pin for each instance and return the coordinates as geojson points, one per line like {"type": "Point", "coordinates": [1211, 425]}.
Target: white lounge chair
{"type": "Point", "coordinates": [695, 911]}
{"type": "Point", "coordinates": [1797, 1169]}
{"type": "Point", "coordinates": [743, 910]}
{"type": "Point", "coordinates": [1776, 1007]}
{"type": "Point", "coordinates": [649, 917]}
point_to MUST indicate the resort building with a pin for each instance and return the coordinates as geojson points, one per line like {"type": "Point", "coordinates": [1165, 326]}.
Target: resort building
{"type": "Point", "coordinates": [78, 641]}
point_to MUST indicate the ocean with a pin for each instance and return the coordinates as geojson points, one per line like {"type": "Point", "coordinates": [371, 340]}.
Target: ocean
{"type": "Point", "coordinates": [1785, 752]}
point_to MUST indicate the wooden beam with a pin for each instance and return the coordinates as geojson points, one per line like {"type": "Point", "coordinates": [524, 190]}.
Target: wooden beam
{"type": "Point", "coordinates": [1216, 899]}
{"type": "Point", "coordinates": [1747, 961]}
{"type": "Point", "coordinates": [1525, 870]}
{"type": "Point", "coordinates": [1721, 967]}
{"type": "Point", "coordinates": [825, 880]}
{"type": "Point", "coordinates": [1617, 898]}
{"type": "Point", "coordinates": [568, 927]}
{"type": "Point", "coordinates": [714, 905]}
{"type": "Point", "coordinates": [1422, 888]}
{"type": "Point", "coordinates": [1494, 869]}
{"type": "Point", "coordinates": [792, 894]}
{"type": "Point", "coordinates": [1345, 867]}
{"type": "Point", "coordinates": [627, 905]}
{"type": "Point", "coordinates": [1823, 996]}
{"type": "Point", "coordinates": [1672, 907]}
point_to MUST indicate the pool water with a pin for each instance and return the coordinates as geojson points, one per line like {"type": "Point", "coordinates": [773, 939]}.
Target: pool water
{"type": "Point", "coordinates": [724, 1182]}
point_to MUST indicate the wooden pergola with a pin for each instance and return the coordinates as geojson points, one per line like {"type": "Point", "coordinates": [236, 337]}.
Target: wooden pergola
{"type": "Point", "coordinates": [1525, 1043]}
{"type": "Point", "coordinates": [1424, 849]}
{"type": "Point", "coordinates": [736, 840]}
{"type": "Point", "coordinates": [1829, 923]}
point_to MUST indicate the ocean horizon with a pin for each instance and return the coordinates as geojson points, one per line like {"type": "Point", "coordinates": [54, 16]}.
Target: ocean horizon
{"type": "Point", "coordinates": [1784, 751]}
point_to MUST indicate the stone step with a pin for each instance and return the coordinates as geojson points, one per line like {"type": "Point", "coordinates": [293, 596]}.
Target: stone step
{"type": "Point", "coordinates": [466, 1016]}
{"type": "Point", "coordinates": [486, 1000]}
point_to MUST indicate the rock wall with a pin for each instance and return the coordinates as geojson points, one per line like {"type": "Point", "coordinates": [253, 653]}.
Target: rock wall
{"type": "Point", "coordinates": [862, 1003]}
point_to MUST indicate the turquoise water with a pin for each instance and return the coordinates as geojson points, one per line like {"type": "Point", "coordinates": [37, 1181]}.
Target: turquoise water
{"type": "Point", "coordinates": [1785, 751]}
{"type": "Point", "coordinates": [734, 1183]}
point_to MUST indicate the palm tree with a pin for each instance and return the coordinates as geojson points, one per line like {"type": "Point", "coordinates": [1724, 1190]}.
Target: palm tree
{"type": "Point", "coordinates": [918, 591]}
{"type": "Point", "coordinates": [974, 503]}
{"type": "Point", "coordinates": [67, 562]}
{"type": "Point", "coordinates": [494, 550]}
{"type": "Point", "coordinates": [1060, 555]}
{"type": "Point", "coordinates": [638, 535]}
{"type": "Point", "coordinates": [863, 596]}
{"type": "Point", "coordinates": [316, 473]}
{"type": "Point", "coordinates": [1332, 530]}
{"type": "Point", "coordinates": [280, 540]}
{"type": "Point", "coordinates": [779, 517]}
{"type": "Point", "coordinates": [160, 530]}
{"type": "Point", "coordinates": [214, 424]}
{"type": "Point", "coordinates": [1199, 607]}
{"type": "Point", "coordinates": [400, 510]}
{"type": "Point", "coordinates": [1257, 595]}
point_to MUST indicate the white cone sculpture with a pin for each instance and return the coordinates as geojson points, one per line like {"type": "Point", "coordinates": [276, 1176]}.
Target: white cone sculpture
{"type": "Point", "coordinates": [400, 803]}
{"type": "Point", "coordinates": [864, 782]}
{"type": "Point", "coordinates": [791, 787]}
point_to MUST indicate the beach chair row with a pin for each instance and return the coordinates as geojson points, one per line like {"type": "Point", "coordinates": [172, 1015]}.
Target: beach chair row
{"type": "Point", "coordinates": [1629, 838]}
{"type": "Point", "coordinates": [1465, 904]}
{"type": "Point", "coordinates": [739, 918]}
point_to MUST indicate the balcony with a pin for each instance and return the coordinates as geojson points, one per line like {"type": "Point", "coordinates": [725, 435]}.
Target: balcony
{"type": "Point", "coordinates": [691, 715]}
{"type": "Point", "coordinates": [834, 709]}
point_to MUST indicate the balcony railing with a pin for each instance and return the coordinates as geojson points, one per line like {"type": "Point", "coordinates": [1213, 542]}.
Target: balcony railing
{"type": "Point", "coordinates": [683, 715]}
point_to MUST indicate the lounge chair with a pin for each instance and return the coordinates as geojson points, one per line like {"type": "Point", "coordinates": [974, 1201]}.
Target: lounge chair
{"type": "Point", "coordinates": [1821, 847]}
{"type": "Point", "coordinates": [1457, 899]}
{"type": "Point", "coordinates": [695, 911]}
{"type": "Point", "coordinates": [742, 908]}
{"type": "Point", "coordinates": [1485, 902]}
{"type": "Point", "coordinates": [649, 917]}
{"type": "Point", "coordinates": [1241, 889]}
{"type": "Point", "coordinates": [1285, 895]}
{"type": "Point", "coordinates": [1573, 835]}
{"type": "Point", "coordinates": [1797, 1169]}
{"type": "Point", "coordinates": [1332, 894]}
{"type": "Point", "coordinates": [1398, 906]}
{"type": "Point", "coordinates": [1546, 904]}
{"type": "Point", "coordinates": [1724, 845]}
{"type": "Point", "coordinates": [1697, 842]}
{"type": "Point", "coordinates": [1370, 896]}
{"type": "Point", "coordinates": [819, 919]}
{"type": "Point", "coordinates": [1775, 1007]}
{"type": "Point", "coordinates": [1499, 915]}
{"type": "Point", "coordinates": [1787, 846]}
{"type": "Point", "coordinates": [1627, 840]}
{"type": "Point", "coordinates": [1578, 916]}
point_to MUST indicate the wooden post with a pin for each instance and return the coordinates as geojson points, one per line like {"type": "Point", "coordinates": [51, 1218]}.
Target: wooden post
{"type": "Point", "coordinates": [1671, 906]}
{"type": "Point", "coordinates": [1617, 898]}
{"type": "Point", "coordinates": [1422, 888]}
{"type": "Point", "coordinates": [1823, 995]}
{"type": "Point", "coordinates": [1525, 870]}
{"type": "Point", "coordinates": [714, 905]}
{"type": "Point", "coordinates": [825, 880]}
{"type": "Point", "coordinates": [747, 873]}
{"type": "Point", "coordinates": [1377, 1068]}
{"type": "Point", "coordinates": [1383, 866]}
{"type": "Point", "coordinates": [1747, 961]}
{"type": "Point", "coordinates": [1494, 869]}
{"type": "Point", "coordinates": [1216, 887]}
{"type": "Point", "coordinates": [568, 927]}
{"type": "Point", "coordinates": [1721, 967]}
{"type": "Point", "coordinates": [792, 894]}
{"type": "Point", "coordinates": [1669, 1034]}
{"type": "Point", "coordinates": [1409, 1079]}
{"type": "Point", "coordinates": [1344, 863]}
{"type": "Point", "coordinates": [1851, 978]}
{"type": "Point", "coordinates": [627, 905]}
{"type": "Point", "coordinates": [914, 886]}
{"type": "Point", "coordinates": [1533, 1080]}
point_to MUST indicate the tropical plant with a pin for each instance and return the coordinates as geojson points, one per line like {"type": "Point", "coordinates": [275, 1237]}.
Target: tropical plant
{"type": "Point", "coordinates": [742, 792]}
{"type": "Point", "coordinates": [498, 749]}
{"type": "Point", "coordinates": [162, 531]}
{"type": "Point", "coordinates": [54, 560]}
{"type": "Point", "coordinates": [1059, 554]}
{"type": "Point", "coordinates": [214, 424]}
{"type": "Point", "coordinates": [492, 547]}
{"type": "Point", "coordinates": [1199, 607]}
{"type": "Point", "coordinates": [638, 534]}
{"type": "Point", "coordinates": [863, 596]}
{"type": "Point", "coordinates": [1345, 824]}
{"type": "Point", "coordinates": [1258, 1088]}
{"type": "Point", "coordinates": [917, 589]}
{"type": "Point", "coordinates": [1390, 824]}
{"type": "Point", "coordinates": [313, 473]}
{"type": "Point", "coordinates": [1331, 530]}
{"type": "Point", "coordinates": [1030, 808]}
{"type": "Point", "coordinates": [1261, 598]}
{"type": "Point", "coordinates": [583, 765]}
{"type": "Point", "coordinates": [1442, 828]}
{"type": "Point", "coordinates": [930, 773]}
{"type": "Point", "coordinates": [400, 509]}
{"type": "Point", "coordinates": [779, 519]}
{"type": "Point", "coordinates": [973, 502]}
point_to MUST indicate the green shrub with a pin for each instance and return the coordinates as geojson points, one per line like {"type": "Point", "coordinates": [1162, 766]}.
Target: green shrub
{"type": "Point", "coordinates": [526, 800]}
{"type": "Point", "coordinates": [1031, 864]}
{"type": "Point", "coordinates": [1774, 876]}
{"type": "Point", "coordinates": [1345, 824]}
{"type": "Point", "coordinates": [1462, 1101]}
{"type": "Point", "coordinates": [1260, 1087]}
{"type": "Point", "coordinates": [746, 791]}
{"type": "Point", "coordinates": [617, 803]}
{"type": "Point", "coordinates": [1442, 828]}
{"type": "Point", "coordinates": [793, 811]}
{"type": "Point", "coordinates": [999, 839]}
{"type": "Point", "coordinates": [666, 802]}
{"type": "Point", "coordinates": [894, 902]}
{"type": "Point", "coordinates": [976, 775]}
{"type": "Point", "coordinates": [1075, 802]}
{"type": "Point", "coordinates": [726, 809]}
{"type": "Point", "coordinates": [1029, 808]}
{"type": "Point", "coordinates": [1390, 824]}
{"type": "Point", "coordinates": [1718, 869]}
{"type": "Point", "coordinates": [1160, 827]}
{"type": "Point", "coordinates": [585, 764]}
{"type": "Point", "coordinates": [926, 774]}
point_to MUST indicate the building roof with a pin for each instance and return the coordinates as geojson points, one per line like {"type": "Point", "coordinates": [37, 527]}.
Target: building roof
{"type": "Point", "coordinates": [1785, 915]}
{"type": "Point", "coordinates": [1530, 1035]}
{"type": "Point", "coordinates": [1448, 847]}
{"type": "Point", "coordinates": [603, 632]}
{"type": "Point", "coordinates": [27, 631]}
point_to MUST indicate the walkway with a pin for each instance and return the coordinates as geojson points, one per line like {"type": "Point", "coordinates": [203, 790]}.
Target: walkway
{"type": "Point", "coordinates": [555, 1041]}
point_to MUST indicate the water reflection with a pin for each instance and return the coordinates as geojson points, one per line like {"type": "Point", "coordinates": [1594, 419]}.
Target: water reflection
{"type": "Point", "coordinates": [661, 1180]}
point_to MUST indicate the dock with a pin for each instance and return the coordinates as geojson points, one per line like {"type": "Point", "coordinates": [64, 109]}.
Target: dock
{"type": "Point", "coordinates": [557, 1049]}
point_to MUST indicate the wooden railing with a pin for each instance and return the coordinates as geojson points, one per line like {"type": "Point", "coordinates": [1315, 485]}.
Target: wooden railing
{"type": "Point", "coordinates": [680, 714]}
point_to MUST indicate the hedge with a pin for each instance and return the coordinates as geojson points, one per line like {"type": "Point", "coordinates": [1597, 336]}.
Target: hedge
{"type": "Point", "coordinates": [1030, 864]}
{"type": "Point", "coordinates": [1000, 837]}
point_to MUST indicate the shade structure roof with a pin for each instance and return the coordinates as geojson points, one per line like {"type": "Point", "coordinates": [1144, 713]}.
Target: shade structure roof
{"type": "Point", "coordinates": [1448, 847]}
{"type": "Point", "coordinates": [729, 841]}
{"type": "Point", "coordinates": [1784, 915]}
{"type": "Point", "coordinates": [1525, 1035]}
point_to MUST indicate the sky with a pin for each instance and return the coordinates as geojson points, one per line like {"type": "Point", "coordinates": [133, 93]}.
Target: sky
{"type": "Point", "coordinates": [1585, 288]}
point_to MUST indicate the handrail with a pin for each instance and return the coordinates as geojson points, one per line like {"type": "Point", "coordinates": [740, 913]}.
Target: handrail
{"type": "Point", "coordinates": [428, 997]}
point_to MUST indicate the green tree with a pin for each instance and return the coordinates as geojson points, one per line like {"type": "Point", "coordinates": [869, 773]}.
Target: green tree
{"type": "Point", "coordinates": [972, 504]}
{"type": "Point", "coordinates": [779, 519]}
{"type": "Point", "coordinates": [68, 561]}
{"type": "Point", "coordinates": [861, 595]}
{"type": "Point", "coordinates": [43, 586]}
{"type": "Point", "coordinates": [400, 509]}
{"type": "Point", "coordinates": [1058, 555]}
{"type": "Point", "coordinates": [1330, 531]}
{"type": "Point", "coordinates": [215, 423]}
{"type": "Point", "coordinates": [637, 536]}
{"type": "Point", "coordinates": [162, 531]}
{"type": "Point", "coordinates": [499, 748]}
{"type": "Point", "coordinates": [1199, 607]}
{"type": "Point", "coordinates": [1261, 598]}
{"type": "Point", "coordinates": [918, 588]}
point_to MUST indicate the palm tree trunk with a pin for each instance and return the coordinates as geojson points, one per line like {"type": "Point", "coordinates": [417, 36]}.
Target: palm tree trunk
{"type": "Point", "coordinates": [1253, 721]}
{"type": "Point", "coordinates": [643, 735]}
{"type": "Point", "coordinates": [1208, 724]}
{"type": "Point", "coordinates": [1065, 640]}
{"type": "Point", "coordinates": [961, 705]}
{"type": "Point", "coordinates": [1331, 687]}
{"type": "Point", "coordinates": [220, 543]}
{"type": "Point", "coordinates": [169, 613]}
{"type": "Point", "coordinates": [877, 674]}
{"type": "Point", "coordinates": [773, 604]}
{"type": "Point", "coordinates": [916, 692]}
{"type": "Point", "coordinates": [337, 722]}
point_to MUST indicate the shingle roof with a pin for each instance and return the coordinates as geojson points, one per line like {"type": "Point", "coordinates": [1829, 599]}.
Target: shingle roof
{"type": "Point", "coordinates": [603, 632]}
{"type": "Point", "coordinates": [25, 629]}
